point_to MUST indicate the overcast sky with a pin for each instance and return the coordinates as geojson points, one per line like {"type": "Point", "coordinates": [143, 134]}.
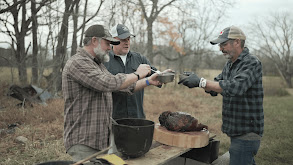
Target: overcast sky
{"type": "Point", "coordinates": [246, 11]}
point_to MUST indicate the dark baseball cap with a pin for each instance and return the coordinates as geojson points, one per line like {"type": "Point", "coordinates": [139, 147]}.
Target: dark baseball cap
{"type": "Point", "coordinates": [101, 32]}
{"type": "Point", "coordinates": [120, 31]}
{"type": "Point", "coordinates": [231, 32]}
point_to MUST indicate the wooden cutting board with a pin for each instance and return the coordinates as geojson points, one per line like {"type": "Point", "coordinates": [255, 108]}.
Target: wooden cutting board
{"type": "Point", "coordinates": [194, 139]}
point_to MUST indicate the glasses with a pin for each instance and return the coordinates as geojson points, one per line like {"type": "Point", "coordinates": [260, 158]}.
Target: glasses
{"type": "Point", "coordinates": [221, 45]}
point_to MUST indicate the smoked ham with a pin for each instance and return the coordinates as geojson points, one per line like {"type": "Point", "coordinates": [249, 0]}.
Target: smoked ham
{"type": "Point", "coordinates": [180, 122]}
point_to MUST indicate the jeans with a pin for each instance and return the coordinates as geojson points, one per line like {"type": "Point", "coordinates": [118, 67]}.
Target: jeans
{"type": "Point", "coordinates": [79, 152]}
{"type": "Point", "coordinates": [242, 152]}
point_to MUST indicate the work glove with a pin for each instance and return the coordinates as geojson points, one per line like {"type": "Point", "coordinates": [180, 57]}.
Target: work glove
{"type": "Point", "coordinates": [191, 81]}
{"type": "Point", "coordinates": [212, 93]}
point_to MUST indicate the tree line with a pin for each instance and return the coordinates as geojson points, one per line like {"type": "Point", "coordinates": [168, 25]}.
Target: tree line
{"type": "Point", "coordinates": [169, 32]}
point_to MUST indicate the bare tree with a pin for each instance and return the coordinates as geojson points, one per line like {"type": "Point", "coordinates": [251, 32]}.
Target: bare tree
{"type": "Point", "coordinates": [150, 18]}
{"type": "Point", "coordinates": [189, 33]}
{"type": "Point", "coordinates": [86, 20]}
{"type": "Point", "coordinates": [35, 43]}
{"type": "Point", "coordinates": [198, 29]}
{"type": "Point", "coordinates": [61, 48]}
{"type": "Point", "coordinates": [21, 24]}
{"type": "Point", "coordinates": [75, 14]}
{"type": "Point", "coordinates": [274, 39]}
{"type": "Point", "coordinates": [128, 12]}
{"type": "Point", "coordinates": [48, 49]}
{"type": "Point", "coordinates": [76, 27]}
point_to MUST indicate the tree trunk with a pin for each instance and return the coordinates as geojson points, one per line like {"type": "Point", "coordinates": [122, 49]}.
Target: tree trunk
{"type": "Point", "coordinates": [150, 42]}
{"type": "Point", "coordinates": [83, 22]}
{"type": "Point", "coordinates": [21, 63]}
{"type": "Point", "coordinates": [61, 48]}
{"type": "Point", "coordinates": [20, 42]}
{"type": "Point", "coordinates": [75, 21]}
{"type": "Point", "coordinates": [35, 74]}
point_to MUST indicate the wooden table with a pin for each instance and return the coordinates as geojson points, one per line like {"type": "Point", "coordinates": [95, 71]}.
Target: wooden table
{"type": "Point", "coordinates": [158, 154]}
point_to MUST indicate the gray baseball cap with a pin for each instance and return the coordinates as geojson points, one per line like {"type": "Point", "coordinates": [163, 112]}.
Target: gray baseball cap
{"type": "Point", "coordinates": [120, 31]}
{"type": "Point", "coordinates": [231, 32]}
{"type": "Point", "coordinates": [102, 32]}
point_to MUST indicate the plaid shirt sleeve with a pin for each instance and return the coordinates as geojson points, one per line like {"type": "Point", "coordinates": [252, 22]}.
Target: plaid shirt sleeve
{"type": "Point", "coordinates": [241, 79]}
{"type": "Point", "coordinates": [86, 73]}
{"type": "Point", "coordinates": [219, 77]}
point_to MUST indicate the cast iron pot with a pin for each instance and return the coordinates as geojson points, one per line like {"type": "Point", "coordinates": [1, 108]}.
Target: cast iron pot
{"type": "Point", "coordinates": [133, 137]}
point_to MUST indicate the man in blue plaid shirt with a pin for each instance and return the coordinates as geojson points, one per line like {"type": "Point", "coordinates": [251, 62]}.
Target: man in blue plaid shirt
{"type": "Point", "coordinates": [240, 84]}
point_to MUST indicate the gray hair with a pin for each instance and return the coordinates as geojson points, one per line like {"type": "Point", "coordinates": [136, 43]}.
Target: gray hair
{"type": "Point", "coordinates": [242, 43]}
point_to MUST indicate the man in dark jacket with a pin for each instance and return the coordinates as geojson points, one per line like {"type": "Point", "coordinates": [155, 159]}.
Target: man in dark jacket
{"type": "Point", "coordinates": [122, 60]}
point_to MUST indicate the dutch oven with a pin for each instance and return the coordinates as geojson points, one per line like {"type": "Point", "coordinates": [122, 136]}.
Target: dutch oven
{"type": "Point", "coordinates": [133, 137]}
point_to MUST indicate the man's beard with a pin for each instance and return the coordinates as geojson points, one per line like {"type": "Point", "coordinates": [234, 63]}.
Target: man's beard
{"type": "Point", "coordinates": [101, 54]}
{"type": "Point", "coordinates": [228, 56]}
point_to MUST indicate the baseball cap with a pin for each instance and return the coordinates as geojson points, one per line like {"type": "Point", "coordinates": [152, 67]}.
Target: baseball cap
{"type": "Point", "coordinates": [120, 31]}
{"type": "Point", "coordinates": [231, 32]}
{"type": "Point", "coordinates": [102, 32]}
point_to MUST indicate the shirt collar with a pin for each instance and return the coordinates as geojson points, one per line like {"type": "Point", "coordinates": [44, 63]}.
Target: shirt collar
{"type": "Point", "coordinates": [84, 52]}
{"type": "Point", "coordinates": [243, 53]}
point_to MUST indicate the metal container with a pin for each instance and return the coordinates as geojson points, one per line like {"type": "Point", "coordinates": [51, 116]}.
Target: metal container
{"type": "Point", "coordinates": [133, 137]}
{"type": "Point", "coordinates": [166, 77]}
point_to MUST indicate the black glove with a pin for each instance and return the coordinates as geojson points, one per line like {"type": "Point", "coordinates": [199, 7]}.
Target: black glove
{"type": "Point", "coordinates": [212, 93]}
{"type": "Point", "coordinates": [190, 81]}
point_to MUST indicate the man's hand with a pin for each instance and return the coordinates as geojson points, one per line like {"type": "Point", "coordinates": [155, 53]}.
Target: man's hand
{"type": "Point", "coordinates": [153, 79]}
{"type": "Point", "coordinates": [143, 70]}
{"type": "Point", "coordinates": [168, 70]}
{"type": "Point", "coordinates": [191, 81]}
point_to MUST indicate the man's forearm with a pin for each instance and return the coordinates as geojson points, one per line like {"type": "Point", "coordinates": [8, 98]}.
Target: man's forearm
{"type": "Point", "coordinates": [213, 86]}
{"type": "Point", "coordinates": [140, 84]}
{"type": "Point", "coordinates": [130, 79]}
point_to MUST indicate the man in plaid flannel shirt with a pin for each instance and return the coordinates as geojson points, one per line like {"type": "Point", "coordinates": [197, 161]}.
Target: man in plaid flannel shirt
{"type": "Point", "coordinates": [87, 90]}
{"type": "Point", "coordinates": [240, 84]}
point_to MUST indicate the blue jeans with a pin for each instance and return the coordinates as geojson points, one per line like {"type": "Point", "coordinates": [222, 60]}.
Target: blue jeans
{"type": "Point", "coordinates": [242, 152]}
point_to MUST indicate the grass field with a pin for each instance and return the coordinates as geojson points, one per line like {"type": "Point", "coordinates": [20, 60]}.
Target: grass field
{"type": "Point", "coordinates": [43, 125]}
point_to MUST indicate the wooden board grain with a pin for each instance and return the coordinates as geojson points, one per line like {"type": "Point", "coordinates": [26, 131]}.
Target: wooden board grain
{"type": "Point", "coordinates": [194, 139]}
{"type": "Point", "coordinates": [158, 155]}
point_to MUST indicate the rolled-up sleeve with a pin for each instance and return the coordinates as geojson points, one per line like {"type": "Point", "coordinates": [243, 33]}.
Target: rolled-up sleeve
{"type": "Point", "coordinates": [87, 74]}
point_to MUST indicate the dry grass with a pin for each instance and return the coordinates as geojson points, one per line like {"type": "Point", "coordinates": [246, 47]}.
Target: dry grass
{"type": "Point", "coordinates": [10, 76]}
{"type": "Point", "coordinates": [43, 125]}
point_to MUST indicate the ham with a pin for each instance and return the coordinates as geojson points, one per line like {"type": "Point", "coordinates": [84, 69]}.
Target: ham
{"type": "Point", "coordinates": [180, 122]}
